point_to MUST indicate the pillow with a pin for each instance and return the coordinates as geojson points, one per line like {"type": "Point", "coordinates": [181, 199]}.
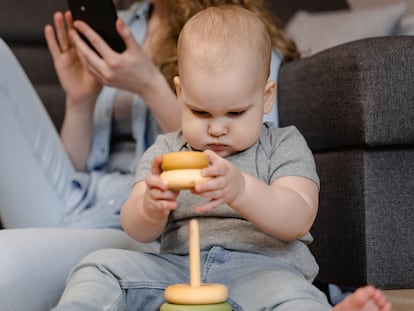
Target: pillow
{"type": "Point", "coordinates": [363, 4]}
{"type": "Point", "coordinates": [406, 27]}
{"type": "Point", "coordinates": [314, 32]}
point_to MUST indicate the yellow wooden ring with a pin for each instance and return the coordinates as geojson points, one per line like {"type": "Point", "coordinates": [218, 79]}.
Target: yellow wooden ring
{"type": "Point", "coordinates": [223, 306]}
{"type": "Point", "coordinates": [183, 179]}
{"type": "Point", "coordinates": [202, 295]}
{"type": "Point", "coordinates": [184, 160]}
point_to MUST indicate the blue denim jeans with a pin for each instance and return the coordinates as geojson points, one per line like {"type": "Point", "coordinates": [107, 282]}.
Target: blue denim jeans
{"type": "Point", "coordinates": [127, 280]}
{"type": "Point", "coordinates": [37, 261]}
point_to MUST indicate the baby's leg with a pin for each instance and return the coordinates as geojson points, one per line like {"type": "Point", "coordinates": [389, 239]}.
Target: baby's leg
{"type": "Point", "coordinates": [35, 169]}
{"type": "Point", "coordinates": [122, 280]}
{"type": "Point", "coordinates": [257, 282]}
{"type": "Point", "coordinates": [365, 298]}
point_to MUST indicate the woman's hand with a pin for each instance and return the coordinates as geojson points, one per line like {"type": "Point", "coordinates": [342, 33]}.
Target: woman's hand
{"type": "Point", "coordinates": [79, 85]}
{"type": "Point", "coordinates": [224, 188]}
{"type": "Point", "coordinates": [131, 70]}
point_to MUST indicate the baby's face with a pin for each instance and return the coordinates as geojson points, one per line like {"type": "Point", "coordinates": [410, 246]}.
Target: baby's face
{"type": "Point", "coordinates": [222, 104]}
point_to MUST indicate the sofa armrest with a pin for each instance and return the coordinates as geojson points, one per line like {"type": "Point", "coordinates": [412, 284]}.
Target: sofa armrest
{"type": "Point", "coordinates": [358, 93]}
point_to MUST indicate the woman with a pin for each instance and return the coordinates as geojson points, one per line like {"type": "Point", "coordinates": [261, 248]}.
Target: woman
{"type": "Point", "coordinates": [76, 182]}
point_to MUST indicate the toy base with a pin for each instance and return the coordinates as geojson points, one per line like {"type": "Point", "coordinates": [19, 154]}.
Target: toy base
{"type": "Point", "coordinates": [224, 306]}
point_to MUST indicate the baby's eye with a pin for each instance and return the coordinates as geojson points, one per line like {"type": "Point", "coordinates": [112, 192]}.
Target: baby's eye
{"type": "Point", "coordinates": [236, 113]}
{"type": "Point", "coordinates": [200, 113]}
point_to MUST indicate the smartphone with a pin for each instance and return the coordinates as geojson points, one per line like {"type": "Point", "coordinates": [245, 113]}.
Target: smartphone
{"type": "Point", "coordinates": [101, 16]}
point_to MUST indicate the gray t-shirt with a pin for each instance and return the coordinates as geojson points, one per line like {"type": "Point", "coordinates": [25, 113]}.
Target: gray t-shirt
{"type": "Point", "coordinates": [278, 152]}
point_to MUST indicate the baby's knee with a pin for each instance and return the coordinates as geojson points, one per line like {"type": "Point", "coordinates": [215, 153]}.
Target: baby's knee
{"type": "Point", "coordinates": [116, 262]}
{"type": "Point", "coordinates": [102, 261]}
{"type": "Point", "coordinates": [100, 257]}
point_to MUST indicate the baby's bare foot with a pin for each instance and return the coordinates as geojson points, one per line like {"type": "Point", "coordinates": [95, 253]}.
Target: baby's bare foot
{"type": "Point", "coordinates": [366, 298]}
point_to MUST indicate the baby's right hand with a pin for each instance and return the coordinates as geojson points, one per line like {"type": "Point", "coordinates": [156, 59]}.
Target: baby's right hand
{"type": "Point", "coordinates": [159, 201]}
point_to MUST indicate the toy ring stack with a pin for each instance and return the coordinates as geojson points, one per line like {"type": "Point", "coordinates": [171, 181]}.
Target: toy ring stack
{"type": "Point", "coordinates": [182, 170]}
{"type": "Point", "coordinates": [195, 296]}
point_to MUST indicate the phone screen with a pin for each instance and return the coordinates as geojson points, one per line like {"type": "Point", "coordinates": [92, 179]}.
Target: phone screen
{"type": "Point", "coordinates": [101, 16]}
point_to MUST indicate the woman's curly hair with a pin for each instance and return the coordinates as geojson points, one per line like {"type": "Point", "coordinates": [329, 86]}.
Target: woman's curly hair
{"type": "Point", "coordinates": [179, 11]}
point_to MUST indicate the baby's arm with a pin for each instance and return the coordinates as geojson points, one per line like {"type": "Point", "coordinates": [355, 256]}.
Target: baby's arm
{"type": "Point", "coordinates": [286, 209]}
{"type": "Point", "coordinates": [145, 212]}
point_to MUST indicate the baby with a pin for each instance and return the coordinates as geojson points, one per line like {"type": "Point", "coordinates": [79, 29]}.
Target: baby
{"type": "Point", "coordinates": [254, 213]}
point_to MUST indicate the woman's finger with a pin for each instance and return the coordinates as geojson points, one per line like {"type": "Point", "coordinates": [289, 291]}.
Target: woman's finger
{"type": "Point", "coordinates": [89, 59]}
{"type": "Point", "coordinates": [69, 19]}
{"type": "Point", "coordinates": [126, 34]}
{"type": "Point", "coordinates": [52, 44]}
{"type": "Point", "coordinates": [99, 59]}
{"type": "Point", "coordinates": [95, 39]}
{"type": "Point", "coordinates": [61, 32]}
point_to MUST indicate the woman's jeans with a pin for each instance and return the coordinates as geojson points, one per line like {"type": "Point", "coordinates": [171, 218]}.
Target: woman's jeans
{"type": "Point", "coordinates": [36, 171]}
{"type": "Point", "coordinates": [35, 262]}
{"type": "Point", "coordinates": [126, 280]}
{"type": "Point", "coordinates": [35, 186]}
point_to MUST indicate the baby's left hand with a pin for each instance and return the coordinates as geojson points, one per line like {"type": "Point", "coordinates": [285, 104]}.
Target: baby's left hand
{"type": "Point", "coordinates": [226, 186]}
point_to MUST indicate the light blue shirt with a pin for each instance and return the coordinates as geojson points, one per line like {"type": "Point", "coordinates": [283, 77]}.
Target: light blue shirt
{"type": "Point", "coordinates": [276, 62]}
{"type": "Point", "coordinates": [144, 128]}
{"type": "Point", "coordinates": [97, 195]}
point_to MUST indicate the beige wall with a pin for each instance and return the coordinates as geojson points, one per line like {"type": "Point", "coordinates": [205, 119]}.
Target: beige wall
{"type": "Point", "coordinates": [367, 3]}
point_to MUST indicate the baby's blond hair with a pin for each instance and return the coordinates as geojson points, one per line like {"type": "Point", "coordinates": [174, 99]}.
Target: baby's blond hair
{"type": "Point", "coordinates": [215, 30]}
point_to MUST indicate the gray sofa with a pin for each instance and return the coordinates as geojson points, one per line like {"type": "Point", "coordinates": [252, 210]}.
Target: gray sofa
{"type": "Point", "coordinates": [355, 106]}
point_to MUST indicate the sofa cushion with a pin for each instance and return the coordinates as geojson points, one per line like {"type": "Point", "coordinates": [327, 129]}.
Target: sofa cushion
{"type": "Point", "coordinates": [24, 21]}
{"type": "Point", "coordinates": [356, 94]}
{"type": "Point", "coordinates": [370, 193]}
{"type": "Point", "coordinates": [36, 62]}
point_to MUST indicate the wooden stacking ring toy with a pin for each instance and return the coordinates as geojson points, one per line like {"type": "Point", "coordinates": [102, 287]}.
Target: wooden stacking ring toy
{"type": "Point", "coordinates": [195, 296]}
{"type": "Point", "coordinates": [224, 306]}
{"type": "Point", "coordinates": [182, 170]}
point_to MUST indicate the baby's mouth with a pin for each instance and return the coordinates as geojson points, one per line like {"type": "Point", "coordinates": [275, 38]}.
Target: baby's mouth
{"type": "Point", "coordinates": [217, 147]}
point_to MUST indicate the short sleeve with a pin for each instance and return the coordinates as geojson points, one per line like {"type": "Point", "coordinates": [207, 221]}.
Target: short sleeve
{"type": "Point", "coordinates": [291, 155]}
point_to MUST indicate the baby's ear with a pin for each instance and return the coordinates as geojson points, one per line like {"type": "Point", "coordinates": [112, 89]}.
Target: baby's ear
{"type": "Point", "coordinates": [177, 84]}
{"type": "Point", "coordinates": [269, 96]}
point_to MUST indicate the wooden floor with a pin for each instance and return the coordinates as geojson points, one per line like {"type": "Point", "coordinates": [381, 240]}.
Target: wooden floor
{"type": "Point", "coordinates": [402, 299]}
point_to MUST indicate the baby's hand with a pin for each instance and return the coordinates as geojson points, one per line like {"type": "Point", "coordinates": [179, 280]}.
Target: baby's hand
{"type": "Point", "coordinates": [226, 186]}
{"type": "Point", "coordinates": [159, 201]}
